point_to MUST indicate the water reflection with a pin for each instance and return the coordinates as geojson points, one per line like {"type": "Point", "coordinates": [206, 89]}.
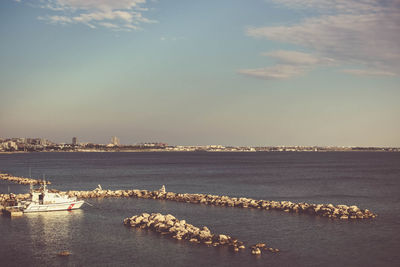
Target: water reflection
{"type": "Point", "coordinates": [52, 232]}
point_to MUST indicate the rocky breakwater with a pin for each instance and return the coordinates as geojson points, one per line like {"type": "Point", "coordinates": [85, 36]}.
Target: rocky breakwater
{"type": "Point", "coordinates": [9, 200]}
{"type": "Point", "coordinates": [257, 248]}
{"type": "Point", "coordinates": [4, 197]}
{"type": "Point", "coordinates": [21, 180]}
{"type": "Point", "coordinates": [181, 230]}
{"type": "Point", "coordinates": [343, 212]}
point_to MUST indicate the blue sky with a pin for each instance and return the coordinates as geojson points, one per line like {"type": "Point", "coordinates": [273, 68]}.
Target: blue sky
{"type": "Point", "coordinates": [256, 72]}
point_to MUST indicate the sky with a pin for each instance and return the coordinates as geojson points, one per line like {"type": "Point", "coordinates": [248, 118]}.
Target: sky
{"type": "Point", "coordinates": [229, 72]}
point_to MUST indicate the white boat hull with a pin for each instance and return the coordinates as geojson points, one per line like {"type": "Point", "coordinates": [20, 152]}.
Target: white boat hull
{"type": "Point", "coordinates": [35, 207]}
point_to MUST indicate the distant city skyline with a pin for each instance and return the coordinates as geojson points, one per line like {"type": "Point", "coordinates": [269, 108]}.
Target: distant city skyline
{"type": "Point", "coordinates": [115, 142]}
{"type": "Point", "coordinates": [229, 72]}
{"type": "Point", "coordinates": [26, 145]}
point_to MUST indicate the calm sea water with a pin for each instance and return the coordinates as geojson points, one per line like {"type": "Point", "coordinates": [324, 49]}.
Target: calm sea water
{"type": "Point", "coordinates": [96, 236]}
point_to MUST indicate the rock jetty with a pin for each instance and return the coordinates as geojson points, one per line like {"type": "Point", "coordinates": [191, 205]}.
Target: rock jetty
{"type": "Point", "coordinates": [6, 197]}
{"type": "Point", "coordinates": [343, 212]}
{"type": "Point", "coordinates": [9, 200]}
{"type": "Point", "coordinates": [181, 230]}
{"type": "Point", "coordinates": [21, 180]}
{"type": "Point", "coordinates": [257, 248]}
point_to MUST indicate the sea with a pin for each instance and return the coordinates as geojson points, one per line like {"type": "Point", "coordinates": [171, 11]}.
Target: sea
{"type": "Point", "coordinates": [95, 234]}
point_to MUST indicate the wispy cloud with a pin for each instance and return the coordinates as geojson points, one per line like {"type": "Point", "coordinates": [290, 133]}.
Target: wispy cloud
{"type": "Point", "coordinates": [109, 25]}
{"type": "Point", "coordinates": [356, 32]}
{"type": "Point", "coordinates": [57, 19]}
{"type": "Point", "coordinates": [297, 58]}
{"type": "Point", "coordinates": [288, 64]}
{"type": "Point", "coordinates": [111, 14]}
{"type": "Point", "coordinates": [369, 72]}
{"type": "Point", "coordinates": [277, 72]}
{"type": "Point", "coordinates": [330, 6]}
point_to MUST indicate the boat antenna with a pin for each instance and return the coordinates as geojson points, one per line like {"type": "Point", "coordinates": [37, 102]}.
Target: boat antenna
{"type": "Point", "coordinates": [44, 182]}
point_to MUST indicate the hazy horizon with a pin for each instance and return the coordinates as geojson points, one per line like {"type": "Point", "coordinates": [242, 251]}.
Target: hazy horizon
{"type": "Point", "coordinates": [243, 73]}
{"type": "Point", "coordinates": [105, 141]}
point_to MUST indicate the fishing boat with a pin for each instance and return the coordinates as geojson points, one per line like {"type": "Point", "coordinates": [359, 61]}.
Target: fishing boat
{"type": "Point", "coordinates": [44, 200]}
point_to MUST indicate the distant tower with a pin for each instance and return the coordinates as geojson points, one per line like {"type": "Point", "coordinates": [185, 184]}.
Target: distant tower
{"type": "Point", "coordinates": [74, 140]}
{"type": "Point", "coordinates": [42, 141]}
{"type": "Point", "coordinates": [115, 141]}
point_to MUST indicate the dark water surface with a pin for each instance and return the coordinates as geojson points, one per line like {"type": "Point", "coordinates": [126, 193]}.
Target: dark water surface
{"type": "Point", "coordinates": [96, 236]}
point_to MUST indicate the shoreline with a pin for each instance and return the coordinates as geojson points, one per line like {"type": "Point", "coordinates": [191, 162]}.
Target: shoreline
{"type": "Point", "coordinates": [197, 151]}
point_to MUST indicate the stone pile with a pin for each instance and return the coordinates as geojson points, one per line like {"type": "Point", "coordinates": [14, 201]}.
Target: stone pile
{"type": "Point", "coordinates": [181, 230]}
{"type": "Point", "coordinates": [8, 200]}
{"type": "Point", "coordinates": [6, 197]}
{"type": "Point", "coordinates": [324, 210]}
{"type": "Point", "coordinates": [256, 249]}
{"type": "Point", "coordinates": [21, 180]}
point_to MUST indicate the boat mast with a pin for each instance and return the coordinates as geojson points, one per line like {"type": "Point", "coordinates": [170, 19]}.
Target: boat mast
{"type": "Point", "coordinates": [44, 183]}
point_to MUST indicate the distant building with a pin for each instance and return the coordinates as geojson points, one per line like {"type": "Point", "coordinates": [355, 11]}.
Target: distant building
{"type": "Point", "coordinates": [74, 140]}
{"type": "Point", "coordinates": [43, 142]}
{"type": "Point", "coordinates": [115, 141]}
{"type": "Point", "coordinates": [21, 140]}
{"type": "Point", "coordinates": [10, 145]}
